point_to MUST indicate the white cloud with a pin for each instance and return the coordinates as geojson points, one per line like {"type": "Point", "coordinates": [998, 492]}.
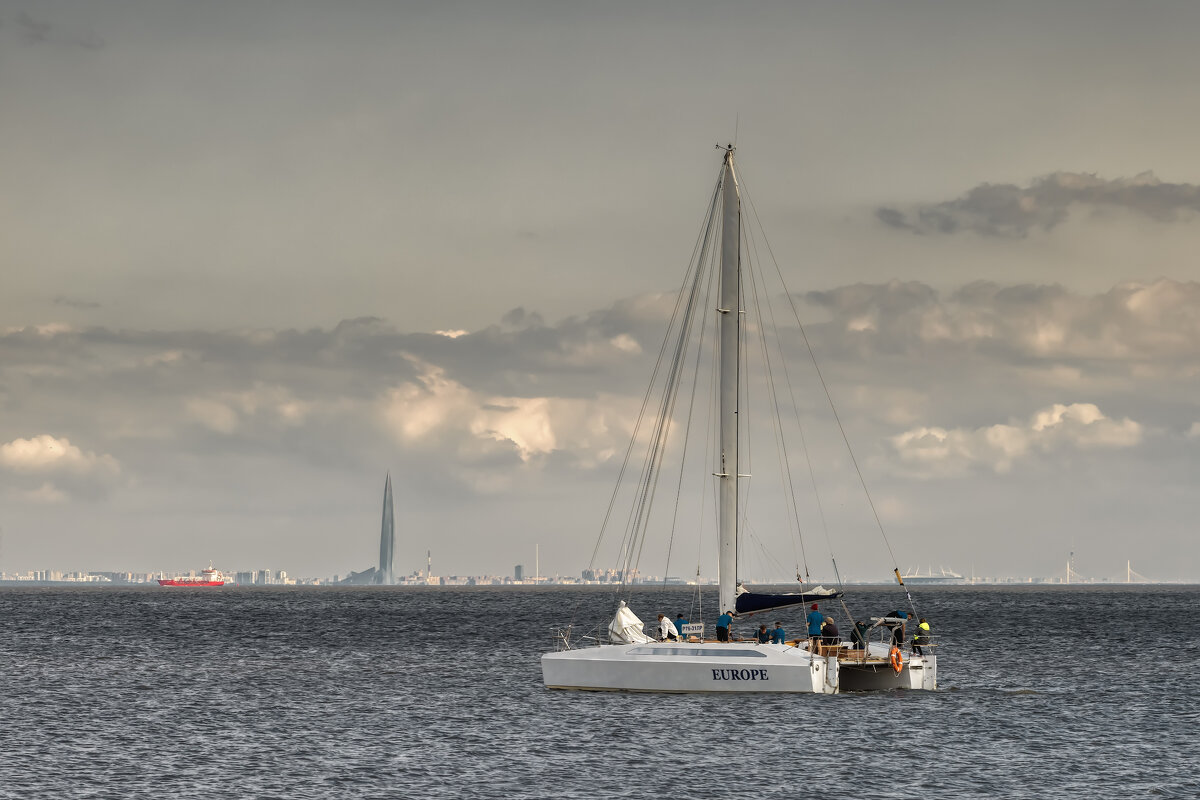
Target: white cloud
{"type": "Point", "coordinates": [1084, 426]}
{"type": "Point", "coordinates": [47, 470]}
{"type": "Point", "coordinates": [46, 454]}
{"type": "Point", "coordinates": [941, 452]}
{"type": "Point", "coordinates": [523, 421]}
{"type": "Point", "coordinates": [436, 406]}
{"type": "Point", "coordinates": [626, 343]}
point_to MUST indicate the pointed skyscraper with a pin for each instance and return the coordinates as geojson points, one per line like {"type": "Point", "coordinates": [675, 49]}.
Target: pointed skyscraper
{"type": "Point", "coordinates": [387, 538]}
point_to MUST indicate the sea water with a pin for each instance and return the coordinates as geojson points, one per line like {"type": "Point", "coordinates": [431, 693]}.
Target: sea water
{"type": "Point", "coordinates": [393, 692]}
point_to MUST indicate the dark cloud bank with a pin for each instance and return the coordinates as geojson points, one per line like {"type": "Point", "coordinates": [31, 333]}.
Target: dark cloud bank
{"type": "Point", "coordinates": [1008, 210]}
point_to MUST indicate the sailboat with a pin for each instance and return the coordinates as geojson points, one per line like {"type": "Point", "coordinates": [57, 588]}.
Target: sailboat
{"type": "Point", "coordinates": [623, 657]}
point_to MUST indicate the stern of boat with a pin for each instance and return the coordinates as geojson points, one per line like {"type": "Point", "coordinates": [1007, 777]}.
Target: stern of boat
{"type": "Point", "coordinates": [873, 675]}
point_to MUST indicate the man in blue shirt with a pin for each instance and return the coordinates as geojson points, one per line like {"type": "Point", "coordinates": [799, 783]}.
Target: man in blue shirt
{"type": "Point", "coordinates": [723, 623]}
{"type": "Point", "coordinates": [815, 620]}
{"type": "Point", "coordinates": [679, 623]}
{"type": "Point", "coordinates": [763, 636]}
{"type": "Point", "coordinates": [777, 635]}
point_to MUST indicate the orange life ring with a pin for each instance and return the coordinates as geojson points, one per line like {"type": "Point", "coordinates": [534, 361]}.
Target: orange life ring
{"type": "Point", "coordinates": [897, 659]}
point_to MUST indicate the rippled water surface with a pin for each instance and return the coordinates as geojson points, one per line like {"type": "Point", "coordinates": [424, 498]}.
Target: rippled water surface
{"type": "Point", "coordinates": [360, 693]}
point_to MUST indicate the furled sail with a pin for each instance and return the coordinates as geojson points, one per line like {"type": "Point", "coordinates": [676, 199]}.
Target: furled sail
{"type": "Point", "coordinates": [748, 602]}
{"type": "Point", "coordinates": [626, 628]}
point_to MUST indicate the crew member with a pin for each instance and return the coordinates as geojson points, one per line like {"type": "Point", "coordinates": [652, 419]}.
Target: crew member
{"type": "Point", "coordinates": [666, 629]}
{"type": "Point", "coordinates": [763, 636]}
{"type": "Point", "coordinates": [679, 623]}
{"type": "Point", "coordinates": [859, 635]}
{"type": "Point", "coordinates": [830, 633]}
{"type": "Point", "coordinates": [897, 628]}
{"type": "Point", "coordinates": [778, 635]}
{"type": "Point", "coordinates": [815, 620]}
{"type": "Point", "coordinates": [723, 623]}
{"type": "Point", "coordinates": [921, 636]}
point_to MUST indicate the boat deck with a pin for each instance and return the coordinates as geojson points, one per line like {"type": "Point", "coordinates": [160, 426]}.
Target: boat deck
{"type": "Point", "coordinates": [844, 653]}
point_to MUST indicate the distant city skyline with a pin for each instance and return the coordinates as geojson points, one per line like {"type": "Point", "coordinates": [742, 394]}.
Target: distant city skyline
{"type": "Point", "coordinates": [915, 579]}
{"type": "Point", "coordinates": [257, 256]}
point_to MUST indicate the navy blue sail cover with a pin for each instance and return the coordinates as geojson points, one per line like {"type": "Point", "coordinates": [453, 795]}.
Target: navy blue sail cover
{"type": "Point", "coordinates": [753, 603]}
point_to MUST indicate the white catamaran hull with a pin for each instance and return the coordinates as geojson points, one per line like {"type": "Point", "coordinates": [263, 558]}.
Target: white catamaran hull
{"type": "Point", "coordinates": [691, 667]}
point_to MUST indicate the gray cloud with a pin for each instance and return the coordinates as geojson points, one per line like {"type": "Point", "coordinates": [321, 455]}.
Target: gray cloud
{"type": "Point", "coordinates": [1132, 323]}
{"type": "Point", "coordinates": [70, 302]}
{"type": "Point", "coordinates": [32, 30]}
{"type": "Point", "coordinates": [1008, 210]}
{"type": "Point", "coordinates": [305, 391]}
{"type": "Point", "coordinates": [38, 31]}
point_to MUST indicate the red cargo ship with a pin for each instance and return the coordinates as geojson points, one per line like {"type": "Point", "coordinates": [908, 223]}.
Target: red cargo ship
{"type": "Point", "coordinates": [208, 577]}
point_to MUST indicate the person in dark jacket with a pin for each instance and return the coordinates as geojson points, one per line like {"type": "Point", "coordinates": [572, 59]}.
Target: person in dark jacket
{"type": "Point", "coordinates": [859, 635]}
{"type": "Point", "coordinates": [921, 636]}
{"type": "Point", "coordinates": [830, 633]}
{"type": "Point", "coordinates": [897, 628]}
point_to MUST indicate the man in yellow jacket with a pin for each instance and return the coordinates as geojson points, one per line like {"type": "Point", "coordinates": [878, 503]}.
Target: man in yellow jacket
{"type": "Point", "coordinates": [921, 636]}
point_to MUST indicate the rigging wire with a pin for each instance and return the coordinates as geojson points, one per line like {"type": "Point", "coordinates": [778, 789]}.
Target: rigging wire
{"type": "Point", "coordinates": [837, 418]}
{"type": "Point", "coordinates": [688, 425]}
{"type": "Point", "coordinates": [783, 362]}
{"type": "Point", "coordinates": [773, 566]}
{"type": "Point", "coordinates": [666, 419]}
{"type": "Point", "coordinates": [634, 539]}
{"type": "Point", "coordinates": [785, 466]}
{"type": "Point", "coordinates": [702, 239]}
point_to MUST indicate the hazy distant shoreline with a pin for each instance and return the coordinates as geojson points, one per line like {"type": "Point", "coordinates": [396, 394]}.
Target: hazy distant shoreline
{"type": "Point", "coordinates": [589, 588]}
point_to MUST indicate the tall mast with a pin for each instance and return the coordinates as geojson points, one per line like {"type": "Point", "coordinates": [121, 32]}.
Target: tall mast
{"type": "Point", "coordinates": [730, 324]}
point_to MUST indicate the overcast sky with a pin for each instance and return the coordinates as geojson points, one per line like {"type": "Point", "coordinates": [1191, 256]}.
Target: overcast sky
{"type": "Point", "coordinates": [253, 256]}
